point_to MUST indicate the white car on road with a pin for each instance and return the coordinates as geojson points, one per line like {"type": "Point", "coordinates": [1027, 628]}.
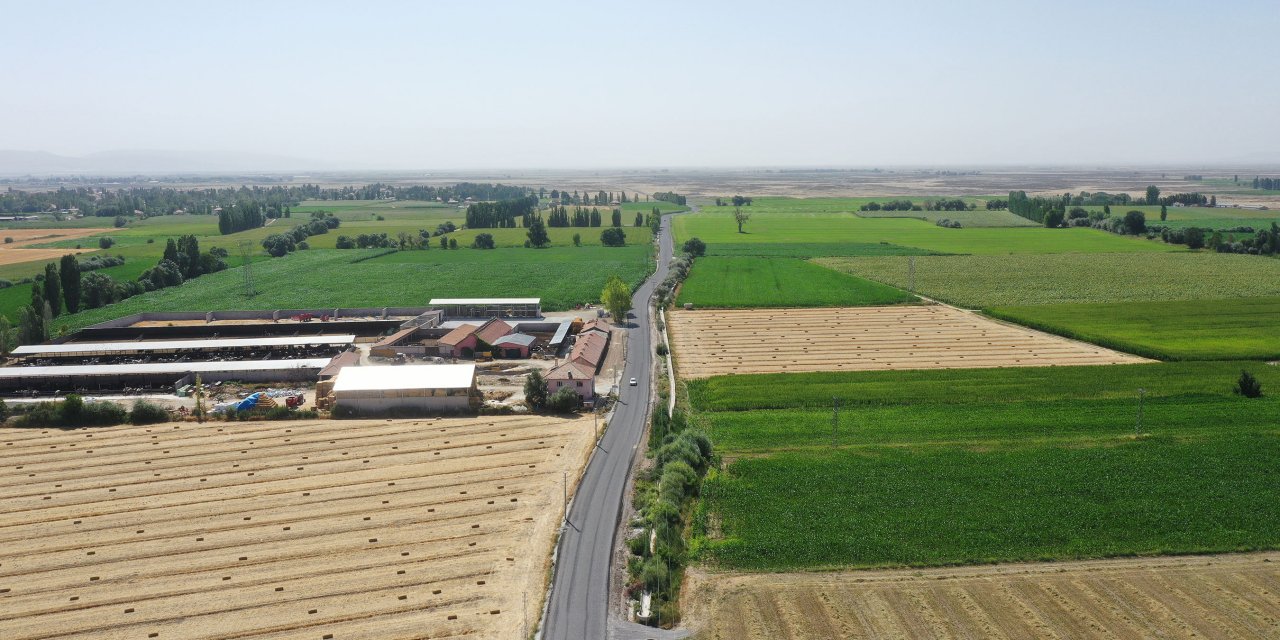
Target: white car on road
{"type": "Point", "coordinates": [633, 382]}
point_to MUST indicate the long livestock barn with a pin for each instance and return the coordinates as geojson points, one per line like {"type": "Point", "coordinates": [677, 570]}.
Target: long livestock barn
{"type": "Point", "coordinates": [154, 375]}
{"type": "Point", "coordinates": [205, 348]}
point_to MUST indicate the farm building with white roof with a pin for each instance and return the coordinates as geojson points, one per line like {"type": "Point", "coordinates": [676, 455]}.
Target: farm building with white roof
{"type": "Point", "coordinates": [421, 389]}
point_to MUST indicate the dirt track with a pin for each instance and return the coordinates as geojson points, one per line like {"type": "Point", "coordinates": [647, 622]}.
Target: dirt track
{"type": "Point", "coordinates": [714, 342]}
{"type": "Point", "coordinates": [1226, 596]}
{"type": "Point", "coordinates": [359, 529]}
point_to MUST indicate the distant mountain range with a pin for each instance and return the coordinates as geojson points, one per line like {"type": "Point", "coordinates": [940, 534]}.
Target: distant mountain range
{"type": "Point", "coordinates": [125, 162]}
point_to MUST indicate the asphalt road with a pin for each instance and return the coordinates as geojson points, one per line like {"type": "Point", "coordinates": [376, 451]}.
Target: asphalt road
{"type": "Point", "coordinates": [578, 605]}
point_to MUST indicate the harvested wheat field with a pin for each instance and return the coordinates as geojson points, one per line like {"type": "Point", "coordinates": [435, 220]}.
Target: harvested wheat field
{"type": "Point", "coordinates": [27, 237]}
{"type": "Point", "coordinates": [716, 342]}
{"type": "Point", "coordinates": [343, 529]}
{"type": "Point", "coordinates": [1225, 596]}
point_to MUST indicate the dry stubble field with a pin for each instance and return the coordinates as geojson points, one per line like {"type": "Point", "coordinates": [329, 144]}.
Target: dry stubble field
{"type": "Point", "coordinates": [1225, 596]}
{"type": "Point", "coordinates": [17, 252]}
{"type": "Point", "coordinates": [344, 529]}
{"type": "Point", "coordinates": [717, 342]}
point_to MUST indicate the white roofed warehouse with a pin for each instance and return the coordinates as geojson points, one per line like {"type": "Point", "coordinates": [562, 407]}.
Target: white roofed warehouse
{"type": "Point", "coordinates": [405, 390]}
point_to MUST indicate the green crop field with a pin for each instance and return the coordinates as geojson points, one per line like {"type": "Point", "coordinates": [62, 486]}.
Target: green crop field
{"type": "Point", "coordinates": [814, 249]}
{"type": "Point", "coordinates": [978, 218]}
{"type": "Point", "coordinates": [561, 276]}
{"type": "Point", "coordinates": [1245, 328]}
{"type": "Point", "coordinates": [560, 236]}
{"type": "Point", "coordinates": [1204, 217]}
{"type": "Point", "coordinates": [808, 227]}
{"type": "Point", "coordinates": [989, 281]}
{"type": "Point", "coordinates": [950, 504]}
{"type": "Point", "coordinates": [965, 466]}
{"type": "Point", "coordinates": [744, 282]}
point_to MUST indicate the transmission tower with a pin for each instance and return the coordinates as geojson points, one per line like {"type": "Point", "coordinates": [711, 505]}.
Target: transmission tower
{"type": "Point", "coordinates": [246, 262]}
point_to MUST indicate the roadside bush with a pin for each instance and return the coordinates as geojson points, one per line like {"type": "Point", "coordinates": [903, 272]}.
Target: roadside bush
{"type": "Point", "coordinates": [1248, 386]}
{"type": "Point", "coordinates": [482, 241]}
{"type": "Point", "coordinates": [5, 284]}
{"type": "Point", "coordinates": [144, 412]}
{"type": "Point", "coordinates": [695, 247]}
{"type": "Point", "coordinates": [74, 412]}
{"type": "Point", "coordinates": [564, 400]}
{"type": "Point", "coordinates": [535, 390]}
{"type": "Point", "coordinates": [661, 349]}
{"type": "Point", "coordinates": [105, 242]}
{"type": "Point", "coordinates": [613, 237]}
{"type": "Point", "coordinates": [8, 240]}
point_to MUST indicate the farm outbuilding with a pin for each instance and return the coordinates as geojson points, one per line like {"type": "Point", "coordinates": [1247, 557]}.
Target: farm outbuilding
{"type": "Point", "coordinates": [424, 389]}
{"type": "Point", "coordinates": [589, 349]}
{"type": "Point", "coordinates": [513, 345]}
{"type": "Point", "coordinates": [488, 307]}
{"type": "Point", "coordinates": [465, 340]}
{"type": "Point", "coordinates": [573, 376]}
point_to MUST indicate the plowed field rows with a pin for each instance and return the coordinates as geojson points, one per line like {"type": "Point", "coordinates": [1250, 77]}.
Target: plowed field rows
{"type": "Point", "coordinates": [1235, 596]}
{"type": "Point", "coordinates": [709, 343]}
{"type": "Point", "coordinates": [344, 529]}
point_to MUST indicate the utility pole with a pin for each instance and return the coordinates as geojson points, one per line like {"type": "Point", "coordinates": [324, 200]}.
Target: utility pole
{"type": "Point", "coordinates": [565, 478]}
{"type": "Point", "coordinates": [1137, 428]}
{"type": "Point", "coordinates": [835, 419]}
{"type": "Point", "coordinates": [246, 248]}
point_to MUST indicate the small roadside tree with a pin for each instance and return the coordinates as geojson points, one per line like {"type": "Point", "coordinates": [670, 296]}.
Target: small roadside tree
{"type": "Point", "coordinates": [695, 247]}
{"type": "Point", "coordinates": [616, 297]}
{"type": "Point", "coordinates": [613, 237]}
{"type": "Point", "coordinates": [741, 217]}
{"type": "Point", "coordinates": [577, 239]}
{"type": "Point", "coordinates": [1153, 194]}
{"type": "Point", "coordinates": [564, 400]}
{"type": "Point", "coordinates": [482, 241]}
{"type": "Point", "coordinates": [535, 390]}
{"type": "Point", "coordinates": [1135, 223]}
{"type": "Point", "coordinates": [537, 234]}
{"type": "Point", "coordinates": [1248, 386]}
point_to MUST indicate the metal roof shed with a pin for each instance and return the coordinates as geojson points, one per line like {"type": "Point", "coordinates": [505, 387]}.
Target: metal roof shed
{"type": "Point", "coordinates": [419, 389]}
{"type": "Point", "coordinates": [489, 307]}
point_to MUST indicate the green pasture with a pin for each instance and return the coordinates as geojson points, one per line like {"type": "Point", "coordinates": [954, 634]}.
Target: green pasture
{"type": "Point", "coordinates": [813, 249]}
{"type": "Point", "coordinates": [1004, 280]}
{"type": "Point", "coordinates": [561, 276]}
{"type": "Point", "coordinates": [977, 218]}
{"type": "Point", "coordinates": [745, 282]}
{"type": "Point", "coordinates": [848, 228]}
{"type": "Point", "coordinates": [1234, 329]}
{"type": "Point", "coordinates": [995, 465]}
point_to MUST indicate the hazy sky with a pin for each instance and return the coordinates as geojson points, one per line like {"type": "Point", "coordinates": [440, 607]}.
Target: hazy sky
{"type": "Point", "coordinates": [437, 85]}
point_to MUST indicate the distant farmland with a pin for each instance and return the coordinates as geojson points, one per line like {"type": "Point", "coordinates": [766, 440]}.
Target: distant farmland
{"type": "Point", "coordinates": [977, 282]}
{"type": "Point", "coordinates": [561, 276]}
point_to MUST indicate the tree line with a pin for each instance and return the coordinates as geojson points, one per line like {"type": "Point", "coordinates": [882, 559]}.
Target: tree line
{"type": "Point", "coordinates": [670, 196]}
{"type": "Point", "coordinates": [599, 199]}
{"type": "Point", "coordinates": [737, 201]}
{"type": "Point", "coordinates": [64, 288]}
{"type": "Point", "coordinates": [952, 204]}
{"type": "Point", "coordinates": [279, 244]}
{"type": "Point", "coordinates": [146, 201]}
{"type": "Point", "coordinates": [501, 214]}
{"type": "Point", "coordinates": [1270, 184]}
